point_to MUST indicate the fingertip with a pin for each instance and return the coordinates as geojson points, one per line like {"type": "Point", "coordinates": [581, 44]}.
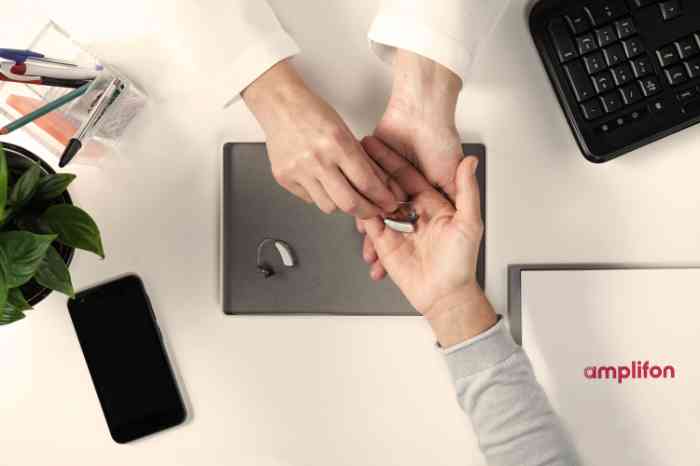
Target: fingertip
{"type": "Point", "coordinates": [374, 227]}
{"type": "Point", "coordinates": [370, 143]}
{"type": "Point", "coordinates": [369, 254]}
{"type": "Point", "coordinates": [377, 272]}
{"type": "Point", "coordinates": [473, 164]}
{"type": "Point", "coordinates": [467, 168]}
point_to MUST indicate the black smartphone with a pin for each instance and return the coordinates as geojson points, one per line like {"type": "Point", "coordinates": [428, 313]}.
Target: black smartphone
{"type": "Point", "coordinates": [125, 355]}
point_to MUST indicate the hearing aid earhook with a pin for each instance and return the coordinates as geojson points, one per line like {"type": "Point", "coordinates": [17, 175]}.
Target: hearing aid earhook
{"type": "Point", "coordinates": [285, 251]}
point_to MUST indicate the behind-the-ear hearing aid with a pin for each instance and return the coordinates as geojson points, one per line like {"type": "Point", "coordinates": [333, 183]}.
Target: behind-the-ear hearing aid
{"type": "Point", "coordinates": [285, 251]}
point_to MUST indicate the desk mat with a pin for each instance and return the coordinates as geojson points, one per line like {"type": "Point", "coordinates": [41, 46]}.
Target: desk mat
{"type": "Point", "coordinates": [330, 277]}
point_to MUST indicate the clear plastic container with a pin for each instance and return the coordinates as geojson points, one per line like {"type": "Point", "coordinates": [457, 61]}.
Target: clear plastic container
{"type": "Point", "coordinates": [55, 129]}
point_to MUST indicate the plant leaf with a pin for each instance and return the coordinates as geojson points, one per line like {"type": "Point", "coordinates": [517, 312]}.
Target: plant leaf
{"type": "Point", "coordinates": [24, 189]}
{"type": "Point", "coordinates": [24, 252]}
{"type": "Point", "coordinates": [31, 221]}
{"type": "Point", "coordinates": [53, 273]}
{"type": "Point", "coordinates": [74, 228]}
{"type": "Point", "coordinates": [16, 299]}
{"type": "Point", "coordinates": [4, 287]}
{"type": "Point", "coordinates": [3, 182]}
{"type": "Point", "coordinates": [52, 186]}
{"type": "Point", "coordinates": [14, 307]}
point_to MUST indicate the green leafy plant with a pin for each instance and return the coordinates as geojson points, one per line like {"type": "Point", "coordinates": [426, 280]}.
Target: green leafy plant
{"type": "Point", "coordinates": [34, 221]}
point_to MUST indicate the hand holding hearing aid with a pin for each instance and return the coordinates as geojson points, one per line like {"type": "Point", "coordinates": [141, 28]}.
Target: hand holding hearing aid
{"type": "Point", "coordinates": [435, 267]}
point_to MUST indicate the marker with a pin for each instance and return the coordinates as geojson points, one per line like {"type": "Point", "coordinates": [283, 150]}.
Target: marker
{"type": "Point", "coordinates": [46, 71]}
{"type": "Point", "coordinates": [48, 108]}
{"type": "Point", "coordinates": [21, 56]}
{"type": "Point", "coordinates": [39, 81]}
{"type": "Point", "coordinates": [115, 89]}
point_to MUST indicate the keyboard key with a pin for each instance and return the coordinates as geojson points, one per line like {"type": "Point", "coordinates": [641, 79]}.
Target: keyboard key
{"type": "Point", "coordinates": [637, 115]}
{"type": "Point", "coordinates": [687, 47]}
{"type": "Point", "coordinates": [611, 101]}
{"type": "Point", "coordinates": [622, 74]}
{"type": "Point", "coordinates": [643, 3]}
{"type": "Point", "coordinates": [625, 28]}
{"type": "Point", "coordinates": [659, 105]}
{"type": "Point", "coordinates": [631, 93]}
{"type": "Point", "coordinates": [668, 56]}
{"type": "Point", "coordinates": [692, 108]}
{"type": "Point", "coordinates": [562, 41]}
{"type": "Point", "coordinates": [650, 85]}
{"type": "Point", "coordinates": [642, 66]}
{"type": "Point", "coordinates": [670, 9]}
{"type": "Point", "coordinates": [578, 21]}
{"type": "Point", "coordinates": [603, 82]}
{"type": "Point", "coordinates": [693, 68]}
{"type": "Point", "coordinates": [687, 95]}
{"type": "Point", "coordinates": [615, 54]}
{"type": "Point", "coordinates": [605, 128]}
{"type": "Point", "coordinates": [595, 62]}
{"type": "Point", "coordinates": [586, 43]}
{"type": "Point", "coordinates": [579, 80]}
{"type": "Point", "coordinates": [603, 12]}
{"type": "Point", "coordinates": [606, 36]}
{"type": "Point", "coordinates": [676, 75]}
{"type": "Point", "coordinates": [592, 109]}
{"type": "Point", "coordinates": [633, 47]}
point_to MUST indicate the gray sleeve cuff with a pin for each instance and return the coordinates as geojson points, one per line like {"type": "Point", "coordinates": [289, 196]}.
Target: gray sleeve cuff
{"type": "Point", "coordinates": [481, 352]}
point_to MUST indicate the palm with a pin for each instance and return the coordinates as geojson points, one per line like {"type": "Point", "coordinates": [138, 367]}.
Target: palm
{"type": "Point", "coordinates": [433, 148]}
{"type": "Point", "coordinates": [441, 255]}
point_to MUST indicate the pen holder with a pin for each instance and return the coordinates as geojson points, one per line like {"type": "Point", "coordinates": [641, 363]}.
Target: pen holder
{"type": "Point", "coordinates": [55, 130]}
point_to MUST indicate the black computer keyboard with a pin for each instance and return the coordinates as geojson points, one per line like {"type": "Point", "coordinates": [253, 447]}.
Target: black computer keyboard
{"type": "Point", "coordinates": [627, 72]}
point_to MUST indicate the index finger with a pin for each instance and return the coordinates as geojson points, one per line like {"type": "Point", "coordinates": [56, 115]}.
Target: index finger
{"type": "Point", "coordinates": [400, 169]}
{"type": "Point", "coordinates": [368, 179]}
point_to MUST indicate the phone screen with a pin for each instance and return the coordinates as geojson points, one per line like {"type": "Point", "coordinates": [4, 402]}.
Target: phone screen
{"type": "Point", "coordinates": [126, 358]}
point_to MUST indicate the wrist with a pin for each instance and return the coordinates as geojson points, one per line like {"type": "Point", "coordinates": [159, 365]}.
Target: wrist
{"type": "Point", "coordinates": [422, 82]}
{"type": "Point", "coordinates": [461, 315]}
{"type": "Point", "coordinates": [275, 94]}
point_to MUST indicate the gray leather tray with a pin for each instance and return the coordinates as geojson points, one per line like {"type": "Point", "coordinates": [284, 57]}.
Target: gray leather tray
{"type": "Point", "coordinates": [330, 277]}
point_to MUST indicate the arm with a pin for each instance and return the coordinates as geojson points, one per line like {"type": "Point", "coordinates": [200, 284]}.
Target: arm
{"type": "Point", "coordinates": [430, 47]}
{"type": "Point", "coordinates": [449, 32]}
{"type": "Point", "coordinates": [435, 268]}
{"type": "Point", "coordinates": [219, 49]}
{"type": "Point", "coordinates": [212, 49]}
{"type": "Point", "coordinates": [497, 389]}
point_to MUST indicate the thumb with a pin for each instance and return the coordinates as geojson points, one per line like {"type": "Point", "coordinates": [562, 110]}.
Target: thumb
{"type": "Point", "coordinates": [468, 201]}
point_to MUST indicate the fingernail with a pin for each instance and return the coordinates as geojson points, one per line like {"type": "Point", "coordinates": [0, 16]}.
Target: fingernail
{"type": "Point", "coordinates": [475, 165]}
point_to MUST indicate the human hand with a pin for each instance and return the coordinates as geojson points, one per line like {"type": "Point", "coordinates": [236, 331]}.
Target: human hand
{"type": "Point", "coordinates": [312, 152]}
{"type": "Point", "coordinates": [419, 120]}
{"type": "Point", "coordinates": [435, 267]}
{"type": "Point", "coordinates": [419, 124]}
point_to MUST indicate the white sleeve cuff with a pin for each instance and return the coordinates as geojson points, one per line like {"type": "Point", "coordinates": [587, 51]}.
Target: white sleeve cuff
{"type": "Point", "coordinates": [254, 61]}
{"type": "Point", "coordinates": [390, 32]}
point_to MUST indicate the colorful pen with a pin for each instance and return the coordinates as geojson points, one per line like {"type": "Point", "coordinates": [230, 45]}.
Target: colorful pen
{"type": "Point", "coordinates": [51, 106]}
{"type": "Point", "coordinates": [69, 83]}
{"type": "Point", "coordinates": [115, 89]}
{"type": "Point", "coordinates": [21, 56]}
{"type": "Point", "coordinates": [50, 71]}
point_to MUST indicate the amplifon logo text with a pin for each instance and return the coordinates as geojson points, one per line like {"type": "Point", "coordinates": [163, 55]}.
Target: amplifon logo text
{"type": "Point", "coordinates": [635, 371]}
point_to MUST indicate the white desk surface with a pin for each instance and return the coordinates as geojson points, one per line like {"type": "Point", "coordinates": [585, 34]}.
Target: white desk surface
{"type": "Point", "coordinates": [317, 391]}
